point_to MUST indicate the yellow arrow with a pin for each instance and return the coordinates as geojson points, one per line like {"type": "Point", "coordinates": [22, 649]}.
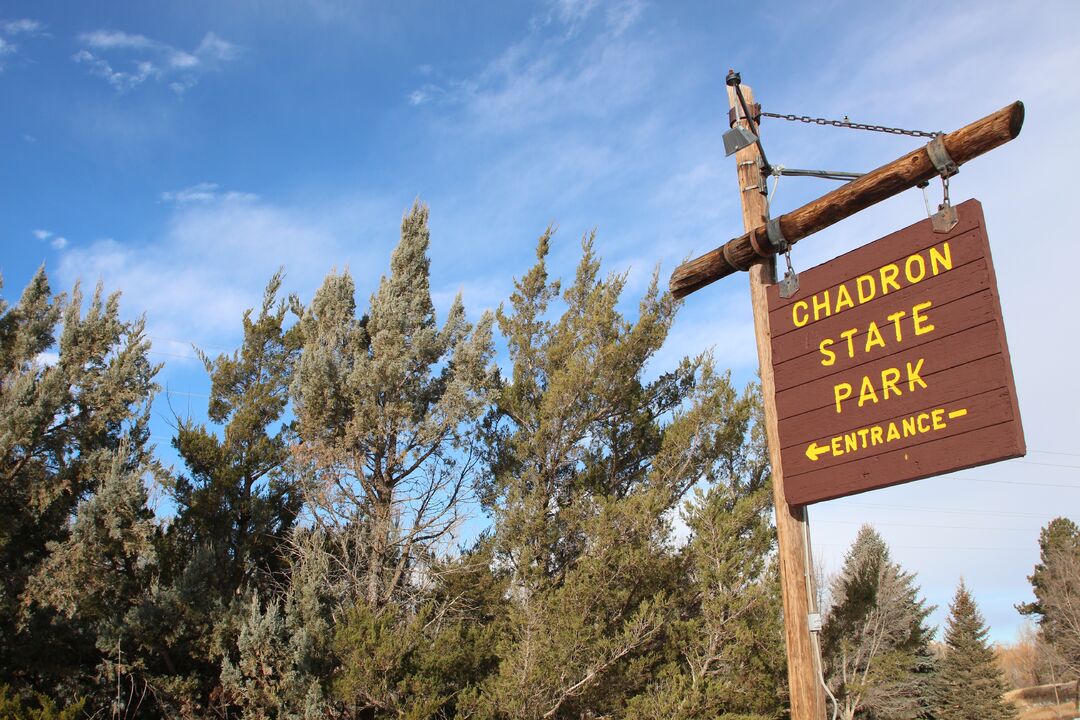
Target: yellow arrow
{"type": "Point", "coordinates": [814, 452]}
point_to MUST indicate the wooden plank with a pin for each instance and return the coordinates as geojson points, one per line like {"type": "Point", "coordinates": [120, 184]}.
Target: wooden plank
{"type": "Point", "coordinates": [947, 386]}
{"type": "Point", "coordinates": [927, 362]}
{"type": "Point", "coordinates": [948, 319]}
{"type": "Point", "coordinates": [964, 249]}
{"type": "Point", "coordinates": [958, 452]}
{"type": "Point", "coordinates": [918, 426]}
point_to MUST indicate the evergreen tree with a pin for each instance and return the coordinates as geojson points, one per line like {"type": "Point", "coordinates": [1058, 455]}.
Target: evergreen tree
{"type": "Point", "coordinates": [586, 462]}
{"type": "Point", "coordinates": [385, 407]}
{"type": "Point", "coordinates": [1056, 585]}
{"type": "Point", "coordinates": [100, 574]}
{"type": "Point", "coordinates": [875, 643]}
{"type": "Point", "coordinates": [239, 500]}
{"type": "Point", "coordinates": [70, 426]}
{"type": "Point", "coordinates": [728, 656]}
{"type": "Point", "coordinates": [235, 508]}
{"type": "Point", "coordinates": [382, 405]}
{"type": "Point", "coordinates": [969, 684]}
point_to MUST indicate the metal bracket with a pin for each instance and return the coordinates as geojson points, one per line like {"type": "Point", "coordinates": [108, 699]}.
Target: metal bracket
{"type": "Point", "coordinates": [940, 157]}
{"type": "Point", "coordinates": [776, 236]}
{"type": "Point", "coordinates": [755, 115]}
{"type": "Point", "coordinates": [813, 620]}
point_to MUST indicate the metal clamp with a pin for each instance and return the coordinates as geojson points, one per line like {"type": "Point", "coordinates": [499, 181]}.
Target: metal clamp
{"type": "Point", "coordinates": [776, 236]}
{"type": "Point", "coordinates": [939, 156]}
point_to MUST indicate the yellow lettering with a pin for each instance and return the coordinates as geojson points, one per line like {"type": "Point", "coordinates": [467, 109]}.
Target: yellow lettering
{"type": "Point", "coordinates": [830, 356]}
{"type": "Point", "coordinates": [889, 273]}
{"type": "Point", "coordinates": [867, 295]}
{"type": "Point", "coordinates": [911, 277]}
{"type": "Point", "coordinates": [841, 392]}
{"type": "Point", "coordinates": [867, 392]}
{"type": "Point", "coordinates": [847, 335]}
{"type": "Point", "coordinates": [909, 426]}
{"type": "Point", "coordinates": [843, 299]}
{"type": "Point", "coordinates": [893, 433]}
{"type": "Point", "coordinates": [913, 375]}
{"type": "Point", "coordinates": [938, 259]}
{"type": "Point", "coordinates": [935, 415]}
{"type": "Point", "coordinates": [896, 317]}
{"type": "Point", "coordinates": [836, 449]}
{"type": "Point", "coordinates": [919, 421]}
{"type": "Point", "coordinates": [889, 378]}
{"type": "Point", "coordinates": [851, 442]}
{"type": "Point", "coordinates": [862, 436]}
{"type": "Point", "coordinates": [873, 337]}
{"type": "Point", "coordinates": [825, 306]}
{"type": "Point", "coordinates": [795, 313]}
{"type": "Point", "coordinates": [918, 319]}
{"type": "Point", "coordinates": [875, 435]}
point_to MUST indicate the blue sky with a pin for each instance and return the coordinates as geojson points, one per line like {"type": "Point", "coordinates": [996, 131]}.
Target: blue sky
{"type": "Point", "coordinates": [181, 152]}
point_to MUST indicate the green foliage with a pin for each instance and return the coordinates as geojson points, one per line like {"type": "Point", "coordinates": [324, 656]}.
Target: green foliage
{"type": "Point", "coordinates": [421, 664]}
{"type": "Point", "coordinates": [727, 652]}
{"type": "Point", "coordinates": [73, 442]}
{"type": "Point", "coordinates": [1059, 535]}
{"type": "Point", "coordinates": [42, 707]}
{"type": "Point", "coordinates": [587, 462]}
{"type": "Point", "coordinates": [383, 404]}
{"type": "Point", "coordinates": [875, 643]}
{"type": "Point", "coordinates": [308, 570]}
{"type": "Point", "coordinates": [969, 684]}
{"type": "Point", "coordinates": [239, 501]}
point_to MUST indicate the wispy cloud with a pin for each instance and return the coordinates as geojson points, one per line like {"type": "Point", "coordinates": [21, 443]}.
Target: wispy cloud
{"type": "Point", "coordinates": [218, 249]}
{"type": "Point", "coordinates": [127, 60]}
{"type": "Point", "coordinates": [552, 77]}
{"type": "Point", "coordinates": [205, 192]}
{"type": "Point", "coordinates": [11, 29]}
{"type": "Point", "coordinates": [58, 242]}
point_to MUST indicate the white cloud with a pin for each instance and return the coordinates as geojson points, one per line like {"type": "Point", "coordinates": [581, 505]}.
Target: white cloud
{"type": "Point", "coordinates": [543, 78]}
{"type": "Point", "coordinates": [10, 29]}
{"type": "Point", "coordinates": [111, 39]}
{"type": "Point", "coordinates": [134, 59]}
{"type": "Point", "coordinates": [22, 26]}
{"type": "Point", "coordinates": [57, 242]}
{"type": "Point", "coordinates": [219, 249]}
{"type": "Point", "coordinates": [205, 192]}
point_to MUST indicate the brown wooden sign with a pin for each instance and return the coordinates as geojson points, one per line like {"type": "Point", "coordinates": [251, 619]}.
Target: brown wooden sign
{"type": "Point", "coordinates": [891, 364]}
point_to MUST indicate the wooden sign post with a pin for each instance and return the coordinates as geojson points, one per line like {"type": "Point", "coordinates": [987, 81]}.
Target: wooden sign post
{"type": "Point", "coordinates": [796, 569]}
{"type": "Point", "coordinates": [889, 364]}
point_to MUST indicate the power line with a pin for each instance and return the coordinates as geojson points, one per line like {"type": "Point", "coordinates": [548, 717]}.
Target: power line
{"type": "Point", "coordinates": [951, 511]}
{"type": "Point", "coordinates": [1044, 464]}
{"type": "Point", "coordinates": [1054, 452]}
{"type": "Point", "coordinates": [931, 527]}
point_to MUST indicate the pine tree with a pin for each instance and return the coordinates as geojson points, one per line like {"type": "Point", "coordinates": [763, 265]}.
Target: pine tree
{"type": "Point", "coordinates": [101, 573]}
{"type": "Point", "coordinates": [1056, 585]}
{"type": "Point", "coordinates": [728, 655]}
{"type": "Point", "coordinates": [586, 462]}
{"type": "Point", "coordinates": [875, 643]}
{"type": "Point", "coordinates": [385, 409]}
{"type": "Point", "coordinates": [969, 684]}
{"type": "Point", "coordinates": [382, 405]}
{"type": "Point", "coordinates": [239, 500]}
{"type": "Point", "coordinates": [70, 426]}
{"type": "Point", "coordinates": [235, 508]}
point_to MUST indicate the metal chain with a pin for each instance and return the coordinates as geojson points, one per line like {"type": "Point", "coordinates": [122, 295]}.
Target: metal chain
{"type": "Point", "coordinates": [845, 123]}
